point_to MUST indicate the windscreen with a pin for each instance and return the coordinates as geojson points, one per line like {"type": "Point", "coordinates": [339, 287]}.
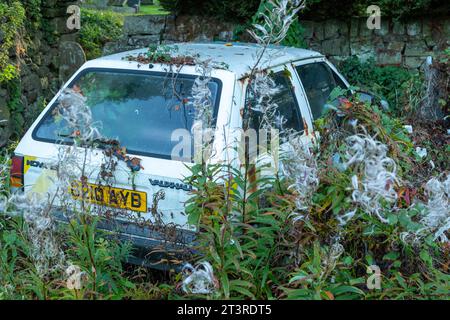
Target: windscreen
{"type": "Point", "coordinates": [141, 110]}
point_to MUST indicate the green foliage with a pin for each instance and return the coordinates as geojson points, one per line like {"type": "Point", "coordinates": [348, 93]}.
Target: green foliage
{"type": "Point", "coordinates": [389, 82]}
{"type": "Point", "coordinates": [393, 8]}
{"type": "Point", "coordinates": [33, 14]}
{"type": "Point", "coordinates": [250, 241]}
{"type": "Point", "coordinates": [228, 10]}
{"type": "Point", "coordinates": [397, 8]}
{"type": "Point", "coordinates": [98, 257]}
{"type": "Point", "coordinates": [12, 17]}
{"type": "Point", "coordinates": [15, 107]}
{"type": "Point", "coordinates": [312, 281]}
{"type": "Point", "coordinates": [295, 36]}
{"type": "Point", "coordinates": [98, 28]}
{"type": "Point", "coordinates": [258, 251]}
{"type": "Point", "coordinates": [160, 53]}
{"type": "Point", "coordinates": [315, 9]}
{"type": "Point", "coordinates": [239, 236]}
{"type": "Point", "coordinates": [9, 73]}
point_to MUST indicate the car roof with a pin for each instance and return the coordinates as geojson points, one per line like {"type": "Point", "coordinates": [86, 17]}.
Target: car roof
{"type": "Point", "coordinates": [236, 56]}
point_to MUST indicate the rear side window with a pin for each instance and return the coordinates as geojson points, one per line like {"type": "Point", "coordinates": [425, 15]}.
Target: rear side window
{"type": "Point", "coordinates": [288, 110]}
{"type": "Point", "coordinates": [139, 109]}
{"type": "Point", "coordinates": [318, 81]}
{"type": "Point", "coordinates": [338, 80]}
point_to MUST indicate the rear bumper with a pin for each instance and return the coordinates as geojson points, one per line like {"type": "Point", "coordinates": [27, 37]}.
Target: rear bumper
{"type": "Point", "coordinates": [160, 247]}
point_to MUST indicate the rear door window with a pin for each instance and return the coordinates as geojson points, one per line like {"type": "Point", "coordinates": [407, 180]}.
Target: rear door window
{"type": "Point", "coordinates": [139, 109]}
{"type": "Point", "coordinates": [287, 115]}
{"type": "Point", "coordinates": [318, 80]}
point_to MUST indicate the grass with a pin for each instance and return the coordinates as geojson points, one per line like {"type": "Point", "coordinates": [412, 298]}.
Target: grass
{"type": "Point", "coordinates": [152, 10]}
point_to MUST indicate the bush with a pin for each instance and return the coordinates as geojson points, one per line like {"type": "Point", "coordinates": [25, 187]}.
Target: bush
{"type": "Point", "coordinates": [393, 8]}
{"type": "Point", "coordinates": [12, 18]}
{"type": "Point", "coordinates": [315, 9]}
{"type": "Point", "coordinates": [295, 36]}
{"type": "Point", "coordinates": [33, 13]}
{"type": "Point", "coordinates": [389, 81]}
{"type": "Point", "coordinates": [228, 10]}
{"type": "Point", "coordinates": [16, 108]}
{"type": "Point", "coordinates": [98, 28]}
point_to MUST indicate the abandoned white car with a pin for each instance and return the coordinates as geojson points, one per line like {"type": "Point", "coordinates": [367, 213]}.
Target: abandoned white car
{"type": "Point", "coordinates": [141, 106]}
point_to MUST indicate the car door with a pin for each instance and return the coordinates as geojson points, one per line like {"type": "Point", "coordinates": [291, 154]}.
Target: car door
{"type": "Point", "coordinates": [317, 79]}
{"type": "Point", "coordinates": [292, 107]}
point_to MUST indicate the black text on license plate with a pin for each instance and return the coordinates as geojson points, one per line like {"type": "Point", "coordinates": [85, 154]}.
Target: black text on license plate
{"type": "Point", "coordinates": [110, 196]}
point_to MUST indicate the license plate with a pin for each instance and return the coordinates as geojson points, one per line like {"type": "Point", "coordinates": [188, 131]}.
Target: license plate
{"type": "Point", "coordinates": [108, 196]}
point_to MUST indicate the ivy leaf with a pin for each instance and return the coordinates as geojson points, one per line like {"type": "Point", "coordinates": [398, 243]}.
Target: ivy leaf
{"type": "Point", "coordinates": [391, 256]}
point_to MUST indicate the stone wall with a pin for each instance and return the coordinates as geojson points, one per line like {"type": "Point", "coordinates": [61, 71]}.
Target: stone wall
{"type": "Point", "coordinates": [396, 43]}
{"type": "Point", "coordinates": [402, 44]}
{"type": "Point", "coordinates": [51, 55]}
{"type": "Point", "coordinates": [141, 31]}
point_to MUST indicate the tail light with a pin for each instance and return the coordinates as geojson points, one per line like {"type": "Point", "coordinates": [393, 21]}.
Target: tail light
{"type": "Point", "coordinates": [16, 174]}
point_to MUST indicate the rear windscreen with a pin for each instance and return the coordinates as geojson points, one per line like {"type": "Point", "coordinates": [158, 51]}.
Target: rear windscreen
{"type": "Point", "coordinates": [139, 109]}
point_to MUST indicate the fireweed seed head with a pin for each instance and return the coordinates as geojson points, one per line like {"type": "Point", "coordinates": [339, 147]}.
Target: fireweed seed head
{"type": "Point", "coordinates": [201, 98]}
{"type": "Point", "coordinates": [277, 17]}
{"type": "Point", "coordinates": [298, 164]}
{"type": "Point", "coordinates": [199, 279]}
{"type": "Point", "coordinates": [75, 277]}
{"type": "Point", "coordinates": [436, 213]}
{"type": "Point", "coordinates": [375, 175]}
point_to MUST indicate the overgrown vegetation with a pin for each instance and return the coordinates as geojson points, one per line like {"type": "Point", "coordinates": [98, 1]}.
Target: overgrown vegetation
{"type": "Point", "coordinates": [397, 9]}
{"type": "Point", "coordinates": [12, 20]}
{"type": "Point", "coordinates": [15, 107]}
{"type": "Point", "coordinates": [16, 17]}
{"type": "Point", "coordinates": [317, 226]}
{"type": "Point", "coordinates": [33, 13]}
{"type": "Point", "coordinates": [229, 10]}
{"type": "Point", "coordinates": [98, 28]}
{"type": "Point", "coordinates": [407, 91]}
{"type": "Point", "coordinates": [294, 37]}
{"type": "Point", "coordinates": [18, 20]}
{"type": "Point", "coordinates": [317, 9]}
{"type": "Point", "coordinates": [260, 246]}
{"type": "Point", "coordinates": [390, 82]}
